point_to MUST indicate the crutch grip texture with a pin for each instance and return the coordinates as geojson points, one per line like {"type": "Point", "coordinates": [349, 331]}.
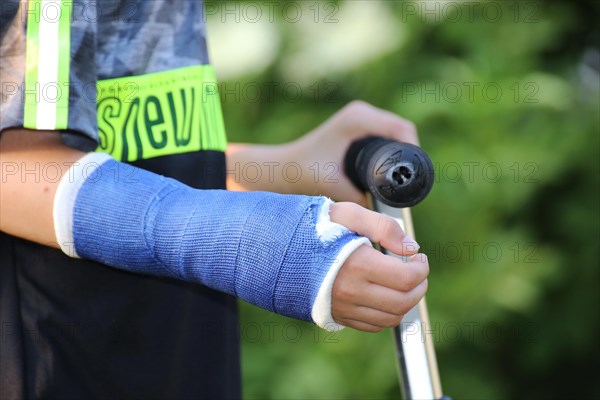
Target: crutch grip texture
{"type": "Point", "coordinates": [398, 174]}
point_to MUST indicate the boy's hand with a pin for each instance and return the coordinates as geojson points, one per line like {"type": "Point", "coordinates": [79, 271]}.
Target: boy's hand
{"type": "Point", "coordinates": [323, 149]}
{"type": "Point", "coordinates": [320, 155]}
{"type": "Point", "coordinates": [373, 290]}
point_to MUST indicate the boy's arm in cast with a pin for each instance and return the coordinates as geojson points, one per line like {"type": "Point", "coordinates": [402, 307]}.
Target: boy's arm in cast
{"type": "Point", "coordinates": [281, 252]}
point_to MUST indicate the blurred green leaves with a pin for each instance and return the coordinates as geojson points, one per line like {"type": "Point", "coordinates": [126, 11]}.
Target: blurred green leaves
{"type": "Point", "coordinates": [507, 106]}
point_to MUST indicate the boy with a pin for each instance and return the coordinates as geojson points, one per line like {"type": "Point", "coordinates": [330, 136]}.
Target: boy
{"type": "Point", "coordinates": [120, 267]}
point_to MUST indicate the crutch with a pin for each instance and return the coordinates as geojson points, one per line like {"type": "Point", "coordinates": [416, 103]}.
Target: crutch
{"type": "Point", "coordinates": [396, 176]}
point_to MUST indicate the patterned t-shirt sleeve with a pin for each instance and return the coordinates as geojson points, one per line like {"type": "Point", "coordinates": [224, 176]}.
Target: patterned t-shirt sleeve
{"type": "Point", "coordinates": [48, 71]}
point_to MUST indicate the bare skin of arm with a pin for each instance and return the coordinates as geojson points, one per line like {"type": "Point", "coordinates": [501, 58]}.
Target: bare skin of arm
{"type": "Point", "coordinates": [32, 163]}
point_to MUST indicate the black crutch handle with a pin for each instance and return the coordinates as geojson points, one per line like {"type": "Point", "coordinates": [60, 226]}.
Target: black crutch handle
{"type": "Point", "coordinates": [396, 173]}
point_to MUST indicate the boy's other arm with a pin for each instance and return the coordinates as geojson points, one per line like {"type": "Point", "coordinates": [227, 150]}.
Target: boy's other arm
{"type": "Point", "coordinates": [313, 164]}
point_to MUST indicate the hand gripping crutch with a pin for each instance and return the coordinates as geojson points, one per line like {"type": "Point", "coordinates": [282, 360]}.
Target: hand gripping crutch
{"type": "Point", "coordinates": [396, 176]}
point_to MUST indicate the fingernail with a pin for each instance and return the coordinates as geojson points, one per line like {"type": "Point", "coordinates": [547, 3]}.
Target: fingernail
{"type": "Point", "coordinates": [410, 245]}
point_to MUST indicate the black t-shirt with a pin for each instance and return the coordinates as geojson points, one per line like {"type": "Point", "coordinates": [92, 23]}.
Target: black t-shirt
{"type": "Point", "coordinates": [138, 86]}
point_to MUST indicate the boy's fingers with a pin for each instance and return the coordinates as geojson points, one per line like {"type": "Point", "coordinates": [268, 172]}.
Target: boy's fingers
{"type": "Point", "coordinates": [360, 325]}
{"type": "Point", "coordinates": [363, 117]}
{"type": "Point", "coordinates": [369, 315]}
{"type": "Point", "coordinates": [399, 275]}
{"type": "Point", "coordinates": [391, 301]}
{"type": "Point", "coordinates": [389, 271]}
{"type": "Point", "coordinates": [379, 228]}
{"type": "Point", "coordinates": [381, 307]}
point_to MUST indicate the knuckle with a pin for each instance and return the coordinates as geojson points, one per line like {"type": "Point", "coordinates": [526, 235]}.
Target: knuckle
{"type": "Point", "coordinates": [410, 126]}
{"type": "Point", "coordinates": [342, 290]}
{"type": "Point", "coordinates": [356, 264]}
{"type": "Point", "coordinates": [385, 227]}
{"type": "Point", "coordinates": [355, 111]}
{"type": "Point", "coordinates": [356, 106]}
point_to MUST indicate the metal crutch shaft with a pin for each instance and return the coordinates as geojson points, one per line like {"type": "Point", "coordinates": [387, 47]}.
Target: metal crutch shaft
{"type": "Point", "coordinates": [396, 176]}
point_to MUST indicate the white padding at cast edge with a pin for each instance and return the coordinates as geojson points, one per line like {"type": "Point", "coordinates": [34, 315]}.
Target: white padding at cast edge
{"type": "Point", "coordinates": [66, 194]}
{"type": "Point", "coordinates": [326, 231]}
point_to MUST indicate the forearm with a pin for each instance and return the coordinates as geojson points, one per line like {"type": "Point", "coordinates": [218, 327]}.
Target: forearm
{"type": "Point", "coordinates": [32, 164]}
{"type": "Point", "coordinates": [303, 166]}
{"type": "Point", "coordinates": [290, 168]}
{"type": "Point", "coordinates": [252, 167]}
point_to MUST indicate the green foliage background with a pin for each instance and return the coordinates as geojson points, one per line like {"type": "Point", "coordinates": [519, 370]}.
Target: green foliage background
{"type": "Point", "coordinates": [518, 182]}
